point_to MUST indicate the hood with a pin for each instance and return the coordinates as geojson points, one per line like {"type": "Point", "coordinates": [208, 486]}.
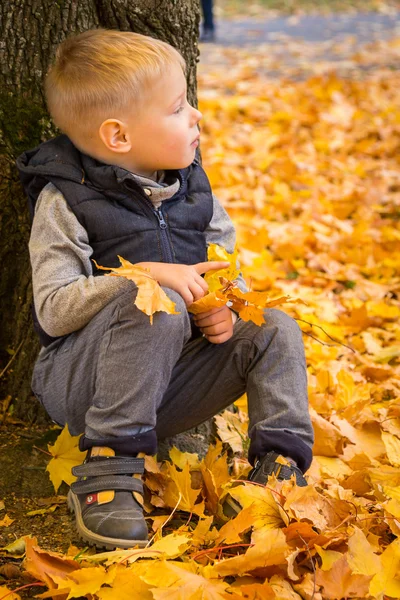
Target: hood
{"type": "Point", "coordinates": [56, 158]}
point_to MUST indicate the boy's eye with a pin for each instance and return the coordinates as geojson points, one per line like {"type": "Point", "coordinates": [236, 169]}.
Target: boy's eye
{"type": "Point", "coordinates": [178, 110]}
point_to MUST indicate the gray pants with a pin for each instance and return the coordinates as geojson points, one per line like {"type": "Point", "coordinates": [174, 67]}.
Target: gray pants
{"type": "Point", "coordinates": [121, 376]}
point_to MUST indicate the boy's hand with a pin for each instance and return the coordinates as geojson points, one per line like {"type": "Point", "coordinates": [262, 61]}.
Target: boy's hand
{"type": "Point", "coordinates": [184, 279]}
{"type": "Point", "coordinates": [216, 324]}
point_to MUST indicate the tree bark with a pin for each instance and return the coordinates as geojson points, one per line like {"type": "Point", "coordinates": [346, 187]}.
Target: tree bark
{"type": "Point", "coordinates": [30, 31]}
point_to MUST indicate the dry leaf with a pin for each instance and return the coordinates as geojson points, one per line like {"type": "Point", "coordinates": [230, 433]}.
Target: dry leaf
{"type": "Point", "coordinates": [339, 582]}
{"type": "Point", "coordinates": [270, 549]}
{"type": "Point", "coordinates": [179, 492]}
{"type": "Point", "coordinates": [47, 566]}
{"type": "Point", "coordinates": [6, 521]}
{"type": "Point", "coordinates": [66, 454]}
{"type": "Point", "coordinates": [150, 296]}
{"type": "Point", "coordinates": [4, 591]}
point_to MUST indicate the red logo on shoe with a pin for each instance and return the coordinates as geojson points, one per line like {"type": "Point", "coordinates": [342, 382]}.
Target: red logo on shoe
{"type": "Point", "coordinates": [92, 498]}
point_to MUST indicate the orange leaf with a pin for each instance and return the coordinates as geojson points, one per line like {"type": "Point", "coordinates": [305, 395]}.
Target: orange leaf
{"type": "Point", "coordinates": [46, 566]}
{"type": "Point", "coordinates": [150, 296]}
{"type": "Point", "coordinates": [6, 521]}
{"type": "Point", "coordinates": [339, 582]}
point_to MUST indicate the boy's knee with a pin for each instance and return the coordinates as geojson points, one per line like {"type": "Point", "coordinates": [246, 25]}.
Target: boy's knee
{"type": "Point", "coordinates": [127, 309]}
{"type": "Point", "coordinates": [172, 325]}
{"type": "Point", "coordinates": [279, 317]}
{"type": "Point", "coordinates": [179, 322]}
{"type": "Point", "coordinates": [282, 321]}
{"type": "Point", "coordinates": [177, 299]}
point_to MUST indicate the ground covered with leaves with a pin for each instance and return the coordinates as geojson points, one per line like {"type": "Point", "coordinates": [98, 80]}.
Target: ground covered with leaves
{"type": "Point", "coordinates": [237, 8]}
{"type": "Point", "coordinates": [308, 168]}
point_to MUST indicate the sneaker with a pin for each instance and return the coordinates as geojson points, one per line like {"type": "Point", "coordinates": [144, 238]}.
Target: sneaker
{"type": "Point", "coordinates": [283, 468]}
{"type": "Point", "coordinates": [270, 463]}
{"type": "Point", "coordinates": [107, 500]}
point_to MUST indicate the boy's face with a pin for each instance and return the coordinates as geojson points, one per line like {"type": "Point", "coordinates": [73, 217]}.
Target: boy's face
{"type": "Point", "coordinates": [163, 133]}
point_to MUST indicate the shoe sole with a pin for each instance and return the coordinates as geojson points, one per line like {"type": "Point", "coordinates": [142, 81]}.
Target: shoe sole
{"type": "Point", "coordinates": [94, 539]}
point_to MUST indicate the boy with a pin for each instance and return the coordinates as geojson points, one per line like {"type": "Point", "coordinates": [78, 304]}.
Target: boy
{"type": "Point", "coordinates": [124, 180]}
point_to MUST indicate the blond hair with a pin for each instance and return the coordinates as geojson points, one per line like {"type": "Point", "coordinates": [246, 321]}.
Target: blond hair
{"type": "Point", "coordinates": [100, 72]}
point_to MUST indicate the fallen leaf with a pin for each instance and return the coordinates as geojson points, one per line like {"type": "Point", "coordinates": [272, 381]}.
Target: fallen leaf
{"type": "Point", "coordinates": [66, 454]}
{"type": "Point", "coordinates": [150, 296]}
{"type": "Point", "coordinates": [361, 558]}
{"type": "Point", "coordinates": [6, 521]}
{"type": "Point", "coordinates": [339, 582]}
{"type": "Point", "coordinates": [126, 586]}
{"type": "Point", "coordinates": [42, 511]}
{"type": "Point", "coordinates": [15, 548]}
{"type": "Point", "coordinates": [232, 430]}
{"type": "Point", "coordinates": [5, 591]}
{"type": "Point", "coordinates": [270, 549]}
{"type": "Point", "coordinates": [47, 566]}
{"type": "Point", "coordinates": [179, 492]}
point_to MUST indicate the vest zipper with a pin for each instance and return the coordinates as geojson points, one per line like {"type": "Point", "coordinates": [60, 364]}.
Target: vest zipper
{"type": "Point", "coordinates": [166, 245]}
{"type": "Point", "coordinates": [165, 241]}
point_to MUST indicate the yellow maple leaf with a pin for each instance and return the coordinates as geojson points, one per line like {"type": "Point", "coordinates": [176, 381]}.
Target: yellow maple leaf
{"type": "Point", "coordinates": [361, 558]}
{"type": "Point", "coordinates": [260, 591]}
{"type": "Point", "coordinates": [216, 461]}
{"type": "Point", "coordinates": [392, 443]}
{"type": "Point", "coordinates": [386, 580]}
{"type": "Point", "coordinates": [328, 557]}
{"type": "Point", "coordinates": [215, 472]}
{"type": "Point", "coordinates": [180, 459]}
{"type": "Point", "coordinates": [179, 492]}
{"type": "Point", "coordinates": [231, 532]}
{"type": "Point", "coordinates": [266, 512]}
{"type": "Point", "coordinates": [270, 549]}
{"type": "Point", "coordinates": [172, 545]}
{"type": "Point", "coordinates": [85, 581]}
{"type": "Point", "coordinates": [249, 305]}
{"type": "Point", "coordinates": [339, 582]}
{"type": "Point", "coordinates": [204, 533]}
{"type": "Point", "coordinates": [66, 454]}
{"type": "Point", "coordinates": [230, 273]}
{"type": "Point", "coordinates": [213, 300]}
{"type": "Point", "coordinates": [4, 591]}
{"type": "Point", "coordinates": [127, 585]}
{"type": "Point", "coordinates": [232, 430]}
{"type": "Point", "coordinates": [150, 296]}
{"type": "Point", "coordinates": [174, 582]}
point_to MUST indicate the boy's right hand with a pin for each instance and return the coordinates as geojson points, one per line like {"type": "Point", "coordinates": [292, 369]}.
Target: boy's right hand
{"type": "Point", "coordinates": [184, 279]}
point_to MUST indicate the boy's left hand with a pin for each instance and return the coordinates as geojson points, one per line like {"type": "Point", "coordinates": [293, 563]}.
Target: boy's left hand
{"type": "Point", "coordinates": [216, 324]}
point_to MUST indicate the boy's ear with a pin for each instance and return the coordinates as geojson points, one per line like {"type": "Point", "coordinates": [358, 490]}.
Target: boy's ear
{"type": "Point", "coordinates": [113, 134]}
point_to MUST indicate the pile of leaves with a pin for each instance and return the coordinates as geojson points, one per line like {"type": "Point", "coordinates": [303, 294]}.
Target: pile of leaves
{"type": "Point", "coordinates": [309, 171]}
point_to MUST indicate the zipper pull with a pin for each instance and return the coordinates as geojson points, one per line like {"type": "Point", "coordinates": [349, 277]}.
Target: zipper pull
{"type": "Point", "coordinates": [160, 217]}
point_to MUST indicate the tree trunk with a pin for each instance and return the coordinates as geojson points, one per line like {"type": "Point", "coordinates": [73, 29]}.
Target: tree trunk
{"type": "Point", "coordinates": [30, 30]}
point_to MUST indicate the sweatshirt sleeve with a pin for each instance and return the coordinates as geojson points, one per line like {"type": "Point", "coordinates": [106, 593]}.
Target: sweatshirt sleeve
{"type": "Point", "coordinates": [221, 231]}
{"type": "Point", "coordinates": [66, 294]}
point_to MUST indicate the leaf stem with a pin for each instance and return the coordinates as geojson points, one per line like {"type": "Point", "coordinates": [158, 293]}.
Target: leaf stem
{"type": "Point", "coordinates": [35, 584]}
{"type": "Point", "coordinates": [165, 522]}
{"type": "Point", "coordinates": [312, 563]}
{"type": "Point", "coordinates": [44, 452]}
{"type": "Point", "coordinates": [327, 335]}
{"type": "Point", "coordinates": [11, 360]}
{"type": "Point", "coordinates": [220, 549]}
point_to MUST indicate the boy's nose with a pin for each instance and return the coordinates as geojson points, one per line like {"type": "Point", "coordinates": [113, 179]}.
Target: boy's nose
{"type": "Point", "coordinates": [197, 115]}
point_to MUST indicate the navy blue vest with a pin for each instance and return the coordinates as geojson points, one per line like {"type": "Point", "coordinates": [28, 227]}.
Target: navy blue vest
{"type": "Point", "coordinates": [116, 213]}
